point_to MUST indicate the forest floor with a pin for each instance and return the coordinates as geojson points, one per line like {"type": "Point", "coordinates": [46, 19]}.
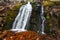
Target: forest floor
{"type": "Point", "coordinates": [27, 35]}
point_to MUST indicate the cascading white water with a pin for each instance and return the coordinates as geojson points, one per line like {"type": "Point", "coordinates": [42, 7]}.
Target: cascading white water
{"type": "Point", "coordinates": [22, 18]}
{"type": "Point", "coordinates": [43, 19]}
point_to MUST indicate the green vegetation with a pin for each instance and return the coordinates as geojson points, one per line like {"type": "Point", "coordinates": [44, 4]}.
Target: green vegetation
{"type": "Point", "coordinates": [10, 16]}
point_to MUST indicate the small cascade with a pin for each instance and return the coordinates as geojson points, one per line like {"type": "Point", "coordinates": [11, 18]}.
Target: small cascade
{"type": "Point", "coordinates": [22, 18]}
{"type": "Point", "coordinates": [43, 19]}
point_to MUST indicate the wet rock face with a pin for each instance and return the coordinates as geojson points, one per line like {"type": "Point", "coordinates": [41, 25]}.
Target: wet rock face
{"type": "Point", "coordinates": [35, 21]}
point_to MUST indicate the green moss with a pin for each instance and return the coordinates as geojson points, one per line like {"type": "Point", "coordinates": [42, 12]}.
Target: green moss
{"type": "Point", "coordinates": [8, 25]}
{"type": "Point", "coordinates": [17, 6]}
{"type": "Point", "coordinates": [34, 6]}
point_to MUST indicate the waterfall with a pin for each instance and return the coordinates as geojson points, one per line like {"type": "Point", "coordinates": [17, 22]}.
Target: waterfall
{"type": "Point", "coordinates": [43, 19]}
{"type": "Point", "coordinates": [22, 18]}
